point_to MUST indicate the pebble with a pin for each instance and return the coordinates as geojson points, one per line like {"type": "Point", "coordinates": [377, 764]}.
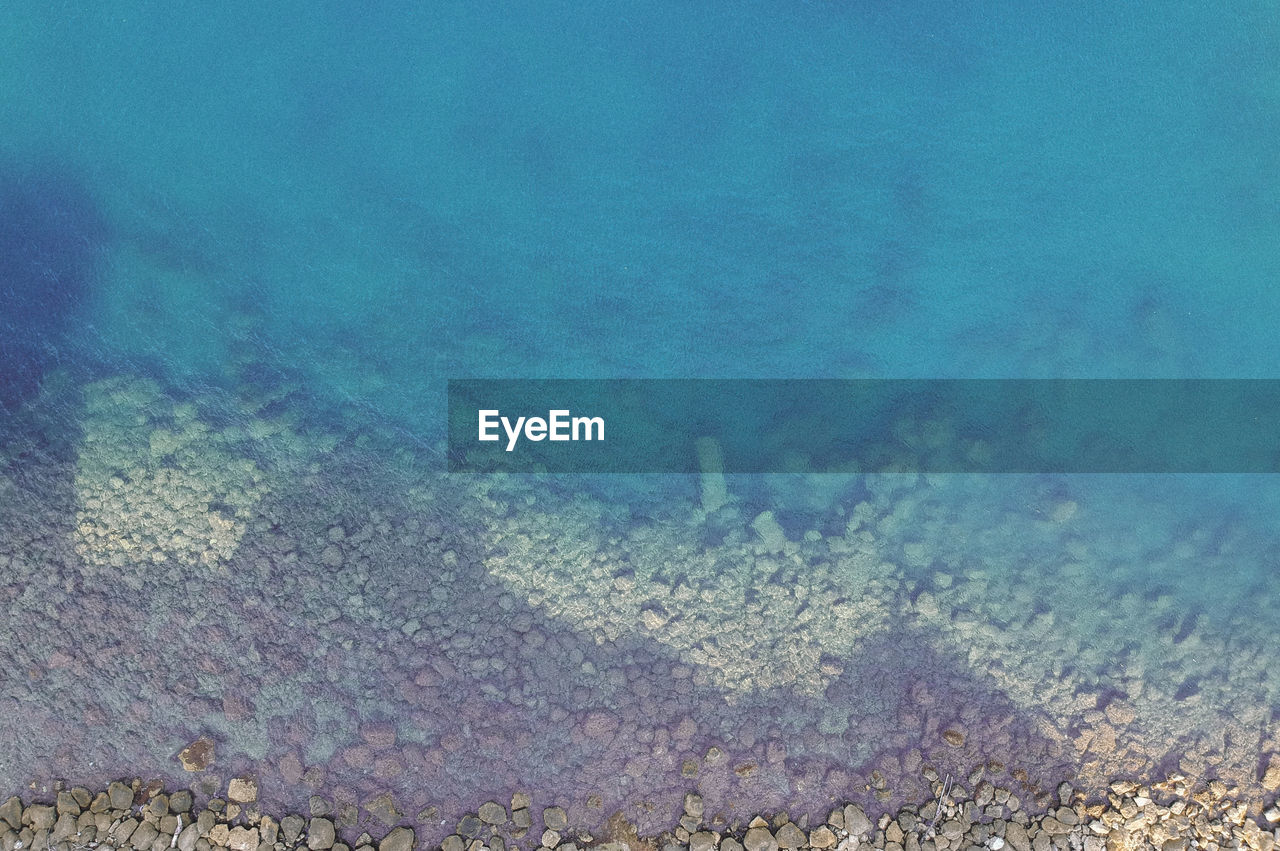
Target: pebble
{"type": "Point", "coordinates": [1167, 815]}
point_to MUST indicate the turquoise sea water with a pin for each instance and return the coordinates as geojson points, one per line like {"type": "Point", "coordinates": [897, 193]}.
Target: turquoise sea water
{"type": "Point", "coordinates": [247, 245]}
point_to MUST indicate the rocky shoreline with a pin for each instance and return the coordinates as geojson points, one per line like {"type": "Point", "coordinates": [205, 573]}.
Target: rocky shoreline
{"type": "Point", "coordinates": [969, 813]}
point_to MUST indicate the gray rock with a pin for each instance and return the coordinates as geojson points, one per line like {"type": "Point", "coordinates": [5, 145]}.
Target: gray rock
{"type": "Point", "coordinates": [492, 812]}
{"type": "Point", "coordinates": [453, 842]}
{"type": "Point", "coordinates": [1053, 827]}
{"type": "Point", "coordinates": [187, 838]}
{"type": "Point", "coordinates": [521, 818]}
{"type": "Point", "coordinates": [124, 831]}
{"type": "Point", "coordinates": [121, 796]}
{"type": "Point", "coordinates": [11, 812]}
{"type": "Point", "coordinates": [144, 836]}
{"type": "Point", "coordinates": [180, 801]}
{"type": "Point", "coordinates": [320, 834]}
{"type": "Point", "coordinates": [693, 805]}
{"type": "Point", "coordinates": [1016, 836]}
{"type": "Point", "coordinates": [67, 803]}
{"type": "Point", "coordinates": [791, 837]}
{"type": "Point", "coordinates": [64, 829]}
{"type": "Point", "coordinates": [856, 821]}
{"type": "Point", "coordinates": [400, 839]}
{"type": "Point", "coordinates": [40, 817]}
{"type": "Point", "coordinates": [760, 839]}
{"type": "Point", "coordinates": [554, 818]}
{"type": "Point", "coordinates": [469, 826]}
{"type": "Point", "coordinates": [703, 840]}
{"type": "Point", "coordinates": [290, 827]}
{"type": "Point", "coordinates": [318, 806]}
{"type": "Point", "coordinates": [730, 844]}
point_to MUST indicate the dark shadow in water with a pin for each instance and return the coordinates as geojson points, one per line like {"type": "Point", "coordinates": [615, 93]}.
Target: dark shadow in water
{"type": "Point", "coordinates": [51, 238]}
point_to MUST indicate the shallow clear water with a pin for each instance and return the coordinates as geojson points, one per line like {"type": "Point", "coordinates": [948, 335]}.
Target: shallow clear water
{"type": "Point", "coordinates": [246, 247]}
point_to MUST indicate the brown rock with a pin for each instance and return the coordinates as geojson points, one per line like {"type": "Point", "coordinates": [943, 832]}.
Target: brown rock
{"type": "Point", "coordinates": [379, 736]}
{"type": "Point", "coordinates": [40, 817]}
{"type": "Point", "coordinates": [196, 756]}
{"type": "Point", "coordinates": [11, 812]}
{"type": "Point", "coordinates": [243, 839]}
{"type": "Point", "coordinates": [64, 829]}
{"type": "Point", "coordinates": [1271, 777]}
{"type": "Point", "coordinates": [243, 790]}
{"type": "Point", "coordinates": [822, 837]}
{"type": "Point", "coordinates": [760, 839]}
{"type": "Point", "coordinates": [400, 839]}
